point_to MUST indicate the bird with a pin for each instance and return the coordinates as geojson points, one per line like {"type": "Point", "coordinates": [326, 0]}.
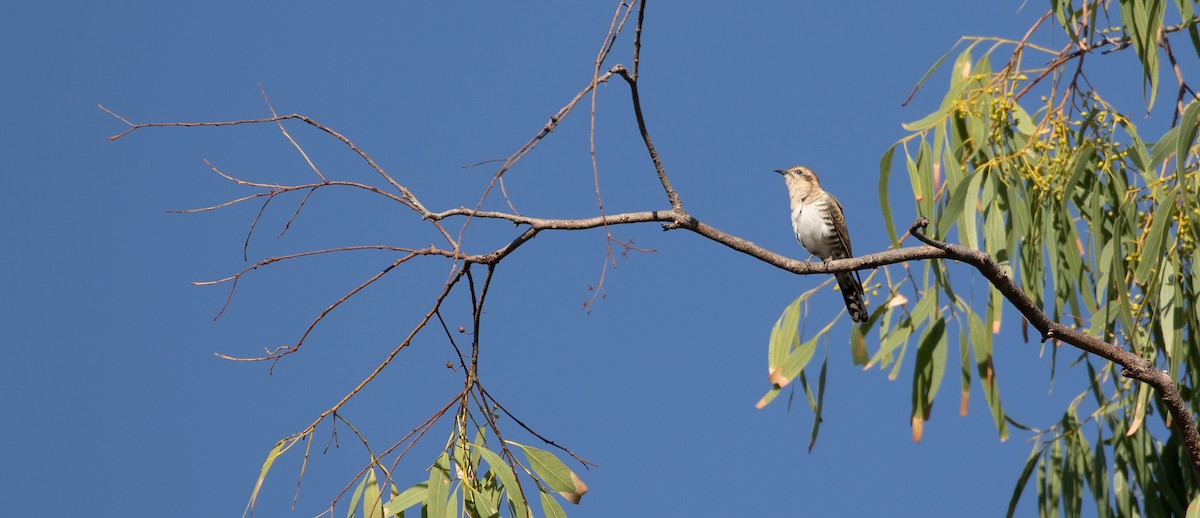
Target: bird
{"type": "Point", "coordinates": [820, 228]}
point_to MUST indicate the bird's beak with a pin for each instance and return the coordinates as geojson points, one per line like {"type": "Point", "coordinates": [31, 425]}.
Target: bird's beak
{"type": "Point", "coordinates": [781, 171]}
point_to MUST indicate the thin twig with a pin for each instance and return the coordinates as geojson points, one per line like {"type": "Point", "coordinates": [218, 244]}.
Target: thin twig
{"type": "Point", "coordinates": [586, 463]}
{"type": "Point", "coordinates": [287, 135]}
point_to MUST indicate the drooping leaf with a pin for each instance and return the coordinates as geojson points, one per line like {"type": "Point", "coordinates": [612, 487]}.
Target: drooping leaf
{"type": "Point", "coordinates": [1187, 136]}
{"type": "Point", "coordinates": [1022, 480]}
{"type": "Point", "coordinates": [478, 504]}
{"type": "Point", "coordinates": [1152, 251]}
{"type": "Point", "coordinates": [406, 499]}
{"type": "Point", "coordinates": [885, 171]}
{"type": "Point", "coordinates": [903, 330]}
{"type": "Point", "coordinates": [1186, 12]}
{"type": "Point", "coordinates": [1142, 21]}
{"type": "Point", "coordinates": [1137, 148]}
{"type": "Point", "coordinates": [964, 353]}
{"type": "Point", "coordinates": [554, 473]}
{"type": "Point", "coordinates": [1025, 123]}
{"type": "Point", "coordinates": [356, 498]}
{"type": "Point", "coordinates": [784, 339]}
{"type": "Point", "coordinates": [816, 427]}
{"type": "Point", "coordinates": [797, 360]}
{"type": "Point", "coordinates": [1054, 477]}
{"type": "Point", "coordinates": [372, 501]}
{"type": "Point", "coordinates": [954, 209]}
{"type": "Point", "coordinates": [927, 374]}
{"type": "Point", "coordinates": [858, 344]}
{"type": "Point", "coordinates": [439, 487]}
{"type": "Point", "coordinates": [981, 348]}
{"type": "Point", "coordinates": [281, 446]}
{"type": "Point", "coordinates": [550, 506]}
{"type": "Point", "coordinates": [925, 122]}
{"type": "Point", "coordinates": [1161, 150]}
{"type": "Point", "coordinates": [503, 472]}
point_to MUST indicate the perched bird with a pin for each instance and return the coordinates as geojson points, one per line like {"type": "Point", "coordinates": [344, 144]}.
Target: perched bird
{"type": "Point", "coordinates": [821, 228]}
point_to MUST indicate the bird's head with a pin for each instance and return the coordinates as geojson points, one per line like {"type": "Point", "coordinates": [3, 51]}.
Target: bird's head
{"type": "Point", "coordinates": [801, 181]}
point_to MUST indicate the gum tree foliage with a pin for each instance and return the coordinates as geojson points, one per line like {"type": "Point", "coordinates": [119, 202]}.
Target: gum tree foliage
{"type": "Point", "coordinates": [1025, 160]}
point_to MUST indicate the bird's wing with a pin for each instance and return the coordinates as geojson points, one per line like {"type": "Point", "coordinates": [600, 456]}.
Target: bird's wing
{"type": "Point", "coordinates": [841, 231]}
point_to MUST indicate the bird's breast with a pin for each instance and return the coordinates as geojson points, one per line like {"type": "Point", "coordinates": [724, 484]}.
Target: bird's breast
{"type": "Point", "coordinates": [813, 229]}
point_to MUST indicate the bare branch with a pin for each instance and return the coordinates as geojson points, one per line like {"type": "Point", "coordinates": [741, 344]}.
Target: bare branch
{"type": "Point", "coordinates": [281, 352]}
{"type": "Point", "coordinates": [406, 196]}
{"type": "Point", "coordinates": [672, 196]}
{"type": "Point", "coordinates": [236, 277]}
{"type": "Point", "coordinates": [289, 136]}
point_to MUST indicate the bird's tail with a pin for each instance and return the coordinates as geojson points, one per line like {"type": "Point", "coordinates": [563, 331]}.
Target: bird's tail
{"type": "Point", "coordinates": [852, 291]}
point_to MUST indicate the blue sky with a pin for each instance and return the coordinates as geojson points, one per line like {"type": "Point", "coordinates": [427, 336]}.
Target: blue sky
{"type": "Point", "coordinates": [116, 405]}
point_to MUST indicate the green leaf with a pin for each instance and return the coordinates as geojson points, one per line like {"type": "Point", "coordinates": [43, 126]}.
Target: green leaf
{"type": "Point", "coordinates": [964, 356]}
{"type": "Point", "coordinates": [1072, 474]}
{"type": "Point", "coordinates": [922, 180]}
{"type": "Point", "coordinates": [1065, 14]}
{"type": "Point", "coordinates": [553, 472]}
{"type": "Point", "coordinates": [1025, 123]}
{"type": "Point", "coordinates": [356, 497]}
{"type": "Point", "coordinates": [977, 131]}
{"type": "Point", "coordinates": [858, 345]}
{"type": "Point", "coordinates": [1018, 206]}
{"type": "Point", "coordinates": [1186, 12]}
{"type": "Point", "coordinates": [507, 478]}
{"type": "Point", "coordinates": [796, 361]}
{"type": "Point", "coordinates": [983, 67]}
{"type": "Point", "coordinates": [372, 500]}
{"type": "Point", "coordinates": [935, 66]}
{"type": "Point", "coordinates": [491, 488]}
{"type": "Point", "coordinates": [550, 506]}
{"type": "Point", "coordinates": [953, 213]}
{"type": "Point", "coordinates": [480, 438]}
{"type": "Point", "coordinates": [439, 487]}
{"type": "Point", "coordinates": [812, 439]}
{"type": "Point", "coordinates": [281, 446]}
{"type": "Point", "coordinates": [885, 170]}
{"type": "Point", "coordinates": [1123, 493]}
{"type": "Point", "coordinates": [784, 339]}
{"type": "Point", "coordinates": [1081, 164]}
{"type": "Point", "coordinates": [1054, 478]}
{"type": "Point", "coordinates": [451, 509]}
{"type": "Point", "coordinates": [903, 330]}
{"type": "Point", "coordinates": [968, 225]}
{"type": "Point", "coordinates": [482, 506]}
{"type": "Point", "coordinates": [928, 373]}
{"type": "Point", "coordinates": [1098, 469]}
{"type": "Point", "coordinates": [1152, 250]}
{"type": "Point", "coordinates": [1164, 313]}
{"type": "Point", "coordinates": [981, 347]}
{"type": "Point", "coordinates": [995, 237]}
{"type": "Point", "coordinates": [958, 83]}
{"type": "Point", "coordinates": [767, 398]}
{"type": "Point", "coordinates": [1138, 154]}
{"type": "Point", "coordinates": [925, 122]}
{"type": "Point", "coordinates": [1030, 463]}
{"type": "Point", "coordinates": [1193, 508]}
{"type": "Point", "coordinates": [1163, 149]}
{"type": "Point", "coordinates": [408, 498]}
{"type": "Point", "coordinates": [1187, 136]}
{"type": "Point", "coordinates": [1142, 25]}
